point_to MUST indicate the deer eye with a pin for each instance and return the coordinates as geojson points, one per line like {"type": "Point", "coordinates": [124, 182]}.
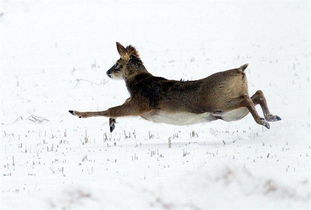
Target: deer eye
{"type": "Point", "coordinates": [117, 67]}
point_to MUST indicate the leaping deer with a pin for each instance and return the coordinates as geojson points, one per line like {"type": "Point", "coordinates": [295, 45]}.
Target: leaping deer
{"type": "Point", "coordinates": [221, 96]}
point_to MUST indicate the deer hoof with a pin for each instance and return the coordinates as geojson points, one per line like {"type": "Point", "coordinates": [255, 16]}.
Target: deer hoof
{"type": "Point", "coordinates": [71, 112]}
{"type": "Point", "coordinates": [272, 118]}
{"type": "Point", "coordinates": [112, 122]}
{"type": "Point", "coordinates": [277, 118]}
{"type": "Point", "coordinates": [267, 125]}
{"type": "Point", "coordinates": [75, 113]}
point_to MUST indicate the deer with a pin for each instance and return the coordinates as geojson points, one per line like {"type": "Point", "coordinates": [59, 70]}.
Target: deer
{"type": "Point", "coordinates": [220, 96]}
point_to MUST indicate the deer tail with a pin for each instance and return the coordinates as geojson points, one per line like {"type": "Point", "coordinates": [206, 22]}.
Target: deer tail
{"type": "Point", "coordinates": [243, 67]}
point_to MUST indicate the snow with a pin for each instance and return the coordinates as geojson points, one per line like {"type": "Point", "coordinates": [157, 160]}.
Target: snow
{"type": "Point", "coordinates": [54, 55]}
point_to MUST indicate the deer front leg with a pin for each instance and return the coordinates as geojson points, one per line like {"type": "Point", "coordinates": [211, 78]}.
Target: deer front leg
{"type": "Point", "coordinates": [249, 104]}
{"type": "Point", "coordinates": [129, 108]}
{"type": "Point", "coordinates": [112, 122]}
{"type": "Point", "coordinates": [259, 98]}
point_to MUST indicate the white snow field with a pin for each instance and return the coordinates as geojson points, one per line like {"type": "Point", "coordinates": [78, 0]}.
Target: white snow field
{"type": "Point", "coordinates": [54, 57]}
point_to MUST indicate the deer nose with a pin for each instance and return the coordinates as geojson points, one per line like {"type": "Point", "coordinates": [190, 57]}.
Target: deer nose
{"type": "Point", "coordinates": [108, 73]}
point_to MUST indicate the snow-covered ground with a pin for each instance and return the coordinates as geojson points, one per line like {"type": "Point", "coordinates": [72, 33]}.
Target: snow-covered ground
{"type": "Point", "coordinates": [53, 57]}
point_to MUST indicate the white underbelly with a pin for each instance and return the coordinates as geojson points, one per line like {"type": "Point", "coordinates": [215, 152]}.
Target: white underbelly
{"type": "Point", "coordinates": [187, 118]}
{"type": "Point", "coordinates": [233, 115]}
{"type": "Point", "coordinates": [178, 118]}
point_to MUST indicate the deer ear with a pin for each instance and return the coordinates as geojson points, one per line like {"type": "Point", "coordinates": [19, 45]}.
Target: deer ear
{"type": "Point", "coordinates": [122, 51]}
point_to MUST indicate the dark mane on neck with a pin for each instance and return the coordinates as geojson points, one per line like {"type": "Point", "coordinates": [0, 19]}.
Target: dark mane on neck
{"type": "Point", "coordinates": [135, 60]}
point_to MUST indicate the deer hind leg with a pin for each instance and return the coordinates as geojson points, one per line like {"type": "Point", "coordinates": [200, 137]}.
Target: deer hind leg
{"type": "Point", "coordinates": [249, 104]}
{"type": "Point", "coordinates": [259, 98]}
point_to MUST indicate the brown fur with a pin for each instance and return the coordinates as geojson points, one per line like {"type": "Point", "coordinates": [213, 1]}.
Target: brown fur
{"type": "Point", "coordinates": [218, 93]}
